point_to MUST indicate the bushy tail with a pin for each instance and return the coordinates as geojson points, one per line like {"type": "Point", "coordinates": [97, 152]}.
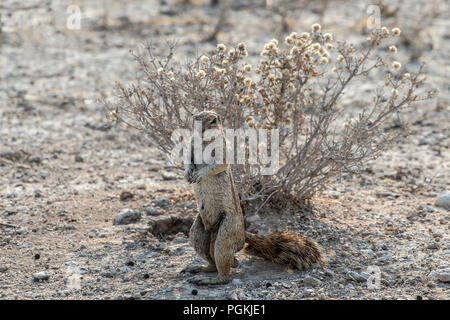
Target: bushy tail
{"type": "Point", "coordinates": [294, 250]}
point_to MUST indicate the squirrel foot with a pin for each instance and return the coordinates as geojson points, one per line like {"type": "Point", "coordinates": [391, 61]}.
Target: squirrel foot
{"type": "Point", "coordinates": [197, 269]}
{"type": "Point", "coordinates": [204, 281]}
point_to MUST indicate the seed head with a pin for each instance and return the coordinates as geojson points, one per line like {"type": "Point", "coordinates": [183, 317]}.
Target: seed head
{"type": "Point", "coordinates": [328, 37]}
{"type": "Point", "coordinates": [221, 47]}
{"type": "Point", "coordinates": [396, 65]}
{"type": "Point", "coordinates": [396, 32]}
{"type": "Point", "coordinates": [316, 27]}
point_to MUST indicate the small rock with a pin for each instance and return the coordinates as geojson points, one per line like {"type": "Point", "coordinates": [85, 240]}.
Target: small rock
{"type": "Point", "coordinates": [329, 273]}
{"type": "Point", "coordinates": [126, 195]}
{"type": "Point", "coordinates": [441, 275]}
{"type": "Point", "coordinates": [236, 282]}
{"type": "Point", "coordinates": [355, 276]}
{"type": "Point", "coordinates": [151, 211]}
{"type": "Point", "coordinates": [3, 269]}
{"type": "Point", "coordinates": [79, 158]}
{"type": "Point", "coordinates": [40, 276]}
{"type": "Point", "coordinates": [161, 202]}
{"type": "Point", "coordinates": [127, 216]}
{"type": "Point", "coordinates": [169, 175]}
{"type": "Point", "coordinates": [35, 159]}
{"type": "Point", "coordinates": [433, 246]}
{"type": "Point", "coordinates": [194, 292]}
{"type": "Point", "coordinates": [443, 200]}
{"type": "Point", "coordinates": [311, 281]}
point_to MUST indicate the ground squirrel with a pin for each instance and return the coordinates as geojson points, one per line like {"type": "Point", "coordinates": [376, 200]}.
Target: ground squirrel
{"type": "Point", "coordinates": [218, 231]}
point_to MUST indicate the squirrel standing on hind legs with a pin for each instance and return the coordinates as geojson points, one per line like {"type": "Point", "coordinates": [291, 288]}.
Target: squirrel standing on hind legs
{"type": "Point", "coordinates": [218, 231]}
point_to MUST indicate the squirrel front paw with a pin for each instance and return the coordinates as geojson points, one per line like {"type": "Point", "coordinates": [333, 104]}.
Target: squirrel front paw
{"type": "Point", "coordinates": [197, 176]}
{"type": "Point", "coordinates": [188, 173]}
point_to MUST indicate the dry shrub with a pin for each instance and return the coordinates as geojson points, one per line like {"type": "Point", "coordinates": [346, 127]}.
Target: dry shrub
{"type": "Point", "coordinates": [295, 87]}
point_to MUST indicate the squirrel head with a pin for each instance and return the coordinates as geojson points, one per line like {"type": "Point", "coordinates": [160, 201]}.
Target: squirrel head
{"type": "Point", "coordinates": [209, 119]}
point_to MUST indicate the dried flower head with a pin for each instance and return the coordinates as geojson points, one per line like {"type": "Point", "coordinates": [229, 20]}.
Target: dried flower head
{"type": "Point", "coordinates": [385, 31]}
{"type": "Point", "coordinates": [201, 74]}
{"type": "Point", "coordinates": [396, 65]}
{"type": "Point", "coordinates": [160, 71]}
{"type": "Point", "coordinates": [396, 32]}
{"type": "Point", "coordinates": [250, 121]}
{"type": "Point", "coordinates": [248, 82]}
{"type": "Point", "coordinates": [221, 47]}
{"type": "Point", "coordinates": [241, 46]}
{"type": "Point", "coordinates": [393, 49]}
{"type": "Point", "coordinates": [204, 59]}
{"type": "Point", "coordinates": [328, 37]}
{"type": "Point", "coordinates": [340, 58]}
{"type": "Point", "coordinates": [305, 35]}
{"type": "Point", "coordinates": [288, 40]}
{"type": "Point", "coordinates": [294, 51]}
{"type": "Point", "coordinates": [316, 27]}
{"type": "Point", "coordinates": [324, 60]}
{"type": "Point", "coordinates": [248, 68]}
{"type": "Point", "coordinates": [219, 70]}
{"type": "Point", "coordinates": [330, 46]}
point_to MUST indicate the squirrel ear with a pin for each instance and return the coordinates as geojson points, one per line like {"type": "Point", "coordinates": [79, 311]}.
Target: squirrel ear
{"type": "Point", "coordinates": [219, 118]}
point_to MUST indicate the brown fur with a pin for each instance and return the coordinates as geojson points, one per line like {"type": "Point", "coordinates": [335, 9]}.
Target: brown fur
{"type": "Point", "coordinates": [218, 232]}
{"type": "Point", "coordinates": [291, 249]}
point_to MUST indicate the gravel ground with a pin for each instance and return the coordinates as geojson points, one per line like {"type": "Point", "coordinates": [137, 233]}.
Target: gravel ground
{"type": "Point", "coordinates": [66, 173]}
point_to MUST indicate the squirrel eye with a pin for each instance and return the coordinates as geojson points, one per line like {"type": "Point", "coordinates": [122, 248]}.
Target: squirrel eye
{"type": "Point", "coordinates": [214, 120]}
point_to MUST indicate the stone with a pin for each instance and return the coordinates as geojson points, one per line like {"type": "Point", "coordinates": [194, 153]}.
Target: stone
{"type": "Point", "coordinates": [442, 275]}
{"type": "Point", "coordinates": [127, 216]}
{"type": "Point", "coordinates": [151, 211]}
{"type": "Point", "coordinates": [161, 202]}
{"type": "Point", "coordinates": [126, 195]}
{"type": "Point", "coordinates": [443, 200]}
{"type": "Point", "coordinates": [41, 276]}
{"type": "Point", "coordinates": [355, 276]}
{"type": "Point", "coordinates": [311, 281]}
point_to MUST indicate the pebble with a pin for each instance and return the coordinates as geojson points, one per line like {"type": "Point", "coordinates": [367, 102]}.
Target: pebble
{"type": "Point", "coordinates": [355, 276]}
{"type": "Point", "coordinates": [40, 276]}
{"type": "Point", "coordinates": [442, 275]}
{"type": "Point", "coordinates": [3, 269]}
{"type": "Point", "coordinates": [161, 202]}
{"type": "Point", "coordinates": [151, 211]}
{"type": "Point", "coordinates": [169, 175]}
{"type": "Point", "coordinates": [311, 281]}
{"type": "Point", "coordinates": [433, 246]}
{"type": "Point", "coordinates": [127, 216]}
{"type": "Point", "coordinates": [126, 195]}
{"type": "Point", "coordinates": [443, 200]}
